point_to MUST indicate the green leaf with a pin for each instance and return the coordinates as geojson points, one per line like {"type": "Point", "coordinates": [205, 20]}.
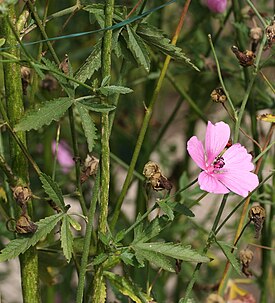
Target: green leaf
{"type": "Point", "coordinates": [176, 251]}
{"type": "Point", "coordinates": [2, 41]}
{"type": "Point", "coordinates": [127, 287]}
{"type": "Point", "coordinates": [226, 248]}
{"type": "Point", "coordinates": [87, 124]}
{"type": "Point", "coordinates": [114, 89]}
{"type": "Point", "coordinates": [20, 245]}
{"type": "Point", "coordinates": [127, 257]}
{"type": "Point", "coordinates": [97, 107]}
{"type": "Point", "coordinates": [44, 115]}
{"type": "Point", "coordinates": [153, 257]}
{"type": "Point", "coordinates": [155, 37]}
{"type": "Point", "coordinates": [91, 64]}
{"type": "Point", "coordinates": [138, 48]}
{"type": "Point", "coordinates": [66, 238]}
{"type": "Point", "coordinates": [53, 190]}
{"type": "Point", "coordinates": [166, 209]}
{"type": "Point", "coordinates": [74, 224]}
{"type": "Point", "coordinates": [99, 259]}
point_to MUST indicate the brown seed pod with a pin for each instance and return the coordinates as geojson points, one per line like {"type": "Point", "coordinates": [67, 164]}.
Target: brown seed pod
{"type": "Point", "coordinates": [89, 168]}
{"type": "Point", "coordinates": [22, 194]}
{"type": "Point", "coordinates": [270, 34]}
{"type": "Point", "coordinates": [24, 225]}
{"type": "Point", "coordinates": [64, 65]}
{"type": "Point", "coordinates": [154, 176]}
{"type": "Point", "coordinates": [246, 256]}
{"type": "Point", "coordinates": [25, 78]}
{"type": "Point", "coordinates": [257, 216]}
{"type": "Point", "coordinates": [245, 58]}
{"type": "Point", "coordinates": [218, 95]}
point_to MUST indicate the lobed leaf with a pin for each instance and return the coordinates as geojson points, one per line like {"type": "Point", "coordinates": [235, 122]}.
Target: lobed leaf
{"type": "Point", "coordinates": [20, 245]}
{"type": "Point", "coordinates": [46, 113]}
{"type": "Point", "coordinates": [164, 206]}
{"type": "Point", "coordinates": [88, 125]}
{"type": "Point", "coordinates": [66, 238]}
{"type": "Point", "coordinates": [97, 107]}
{"type": "Point", "coordinates": [52, 190]}
{"type": "Point", "coordinates": [114, 89]}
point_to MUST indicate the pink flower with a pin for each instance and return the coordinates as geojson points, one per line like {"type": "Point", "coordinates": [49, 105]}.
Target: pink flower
{"type": "Point", "coordinates": [64, 155]}
{"type": "Point", "coordinates": [216, 6]}
{"type": "Point", "coordinates": [223, 170]}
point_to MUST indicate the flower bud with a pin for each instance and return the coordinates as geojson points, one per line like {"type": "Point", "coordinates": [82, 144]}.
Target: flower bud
{"type": "Point", "coordinates": [218, 95]}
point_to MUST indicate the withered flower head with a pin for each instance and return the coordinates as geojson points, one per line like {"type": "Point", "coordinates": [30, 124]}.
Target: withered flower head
{"type": "Point", "coordinates": [246, 256]}
{"type": "Point", "coordinates": [89, 168]}
{"type": "Point", "coordinates": [154, 176]}
{"type": "Point", "coordinates": [256, 33]}
{"type": "Point", "coordinates": [245, 58]}
{"type": "Point", "coordinates": [64, 65]}
{"type": "Point", "coordinates": [22, 195]}
{"type": "Point", "coordinates": [25, 78]}
{"type": "Point", "coordinates": [257, 216]}
{"type": "Point", "coordinates": [218, 95]}
{"type": "Point", "coordinates": [49, 83]}
{"type": "Point", "coordinates": [270, 34]}
{"type": "Point", "coordinates": [24, 225]}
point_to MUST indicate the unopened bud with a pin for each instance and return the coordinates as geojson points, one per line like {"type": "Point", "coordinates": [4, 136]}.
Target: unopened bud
{"type": "Point", "coordinates": [245, 58]}
{"type": "Point", "coordinates": [218, 95]}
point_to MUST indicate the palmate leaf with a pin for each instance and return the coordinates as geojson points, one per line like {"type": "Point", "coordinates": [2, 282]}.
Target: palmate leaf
{"type": "Point", "coordinates": [176, 251]}
{"type": "Point", "coordinates": [97, 107]}
{"type": "Point", "coordinates": [66, 238]}
{"type": "Point", "coordinates": [155, 37]}
{"type": "Point", "coordinates": [91, 64]}
{"type": "Point", "coordinates": [226, 248]}
{"type": "Point", "coordinates": [20, 245]}
{"type": "Point", "coordinates": [114, 89]}
{"type": "Point", "coordinates": [52, 190]}
{"type": "Point", "coordinates": [138, 48]}
{"type": "Point", "coordinates": [127, 287]}
{"type": "Point", "coordinates": [87, 124]}
{"type": "Point", "coordinates": [44, 115]}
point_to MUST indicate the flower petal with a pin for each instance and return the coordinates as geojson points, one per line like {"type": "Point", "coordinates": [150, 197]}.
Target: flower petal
{"type": "Point", "coordinates": [196, 151]}
{"type": "Point", "coordinates": [237, 157]}
{"type": "Point", "coordinates": [211, 184]}
{"type": "Point", "coordinates": [216, 138]}
{"type": "Point", "coordinates": [239, 181]}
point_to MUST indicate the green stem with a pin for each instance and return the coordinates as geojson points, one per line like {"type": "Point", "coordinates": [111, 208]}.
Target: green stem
{"type": "Point", "coordinates": [207, 246]}
{"type": "Point", "coordinates": [87, 241]}
{"type": "Point", "coordinates": [145, 123]}
{"type": "Point", "coordinates": [19, 165]}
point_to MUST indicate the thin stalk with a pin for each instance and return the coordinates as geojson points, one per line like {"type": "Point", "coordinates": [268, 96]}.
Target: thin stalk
{"type": "Point", "coordinates": [87, 241]}
{"type": "Point", "coordinates": [145, 123]}
{"type": "Point", "coordinates": [207, 246]}
{"type": "Point", "coordinates": [19, 165]}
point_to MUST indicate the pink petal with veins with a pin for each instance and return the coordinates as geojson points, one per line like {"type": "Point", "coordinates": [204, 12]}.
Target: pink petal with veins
{"type": "Point", "coordinates": [216, 138]}
{"type": "Point", "coordinates": [196, 151]}
{"type": "Point", "coordinates": [237, 157]}
{"type": "Point", "coordinates": [210, 184]}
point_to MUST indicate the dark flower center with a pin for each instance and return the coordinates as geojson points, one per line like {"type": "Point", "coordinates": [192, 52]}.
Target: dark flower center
{"type": "Point", "coordinates": [219, 162]}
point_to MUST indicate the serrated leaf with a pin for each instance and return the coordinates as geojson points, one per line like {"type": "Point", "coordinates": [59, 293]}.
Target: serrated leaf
{"type": "Point", "coordinates": [164, 206]}
{"type": "Point", "coordinates": [105, 80]}
{"type": "Point", "coordinates": [155, 37]}
{"type": "Point", "coordinates": [226, 248]}
{"type": "Point", "coordinates": [151, 231]}
{"type": "Point", "coordinates": [114, 89]}
{"type": "Point", "coordinates": [138, 48]}
{"type": "Point", "coordinates": [99, 259]}
{"type": "Point", "coordinates": [91, 64]}
{"type": "Point", "coordinates": [46, 113]}
{"type": "Point", "coordinates": [20, 245]}
{"type": "Point", "coordinates": [127, 288]}
{"type": "Point", "coordinates": [97, 107]}
{"type": "Point", "coordinates": [74, 224]}
{"type": "Point", "coordinates": [87, 124]}
{"type": "Point", "coordinates": [267, 118]}
{"type": "Point", "coordinates": [153, 257]}
{"type": "Point", "coordinates": [52, 190]}
{"type": "Point", "coordinates": [127, 257]}
{"type": "Point", "coordinates": [66, 238]}
{"type": "Point", "coordinates": [176, 251]}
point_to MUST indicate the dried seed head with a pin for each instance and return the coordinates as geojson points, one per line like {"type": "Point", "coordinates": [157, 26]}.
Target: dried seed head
{"type": "Point", "coordinates": [245, 58]}
{"type": "Point", "coordinates": [24, 225]}
{"type": "Point", "coordinates": [256, 34]}
{"type": "Point", "coordinates": [49, 83]}
{"type": "Point", "coordinates": [154, 176]}
{"type": "Point", "coordinates": [257, 216]}
{"type": "Point", "coordinates": [64, 65]}
{"type": "Point", "coordinates": [22, 195]}
{"type": "Point", "coordinates": [89, 168]}
{"type": "Point", "coordinates": [214, 298]}
{"type": "Point", "coordinates": [246, 256]}
{"type": "Point", "coordinates": [218, 95]}
{"type": "Point", "coordinates": [270, 34]}
{"type": "Point", "coordinates": [25, 78]}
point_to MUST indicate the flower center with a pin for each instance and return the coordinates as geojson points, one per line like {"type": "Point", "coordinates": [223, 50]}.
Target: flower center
{"type": "Point", "coordinates": [218, 162]}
